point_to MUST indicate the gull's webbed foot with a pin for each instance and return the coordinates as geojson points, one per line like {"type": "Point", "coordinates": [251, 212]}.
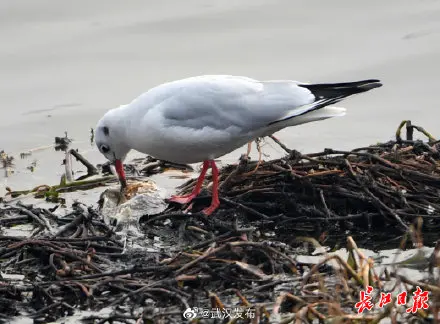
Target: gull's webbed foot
{"type": "Point", "coordinates": [185, 199]}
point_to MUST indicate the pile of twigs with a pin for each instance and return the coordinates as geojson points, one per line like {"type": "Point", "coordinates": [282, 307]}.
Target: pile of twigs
{"type": "Point", "coordinates": [239, 265]}
{"type": "Point", "coordinates": [82, 265]}
{"type": "Point", "coordinates": [384, 186]}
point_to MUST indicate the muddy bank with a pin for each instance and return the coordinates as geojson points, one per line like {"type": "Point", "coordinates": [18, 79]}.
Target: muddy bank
{"type": "Point", "coordinates": [285, 245]}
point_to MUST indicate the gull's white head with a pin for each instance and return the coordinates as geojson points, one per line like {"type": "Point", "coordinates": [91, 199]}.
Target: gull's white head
{"type": "Point", "coordinates": [110, 139]}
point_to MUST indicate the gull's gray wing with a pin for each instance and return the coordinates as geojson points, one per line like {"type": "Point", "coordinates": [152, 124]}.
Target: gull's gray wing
{"type": "Point", "coordinates": [238, 104]}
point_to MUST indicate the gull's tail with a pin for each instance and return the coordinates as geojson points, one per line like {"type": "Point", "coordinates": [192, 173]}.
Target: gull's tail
{"type": "Point", "coordinates": [315, 115]}
{"type": "Point", "coordinates": [325, 94]}
{"type": "Point", "coordinates": [331, 93]}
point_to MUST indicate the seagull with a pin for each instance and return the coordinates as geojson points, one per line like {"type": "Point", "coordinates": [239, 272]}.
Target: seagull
{"type": "Point", "coordinates": [201, 118]}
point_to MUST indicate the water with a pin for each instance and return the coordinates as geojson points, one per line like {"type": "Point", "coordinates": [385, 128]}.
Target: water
{"type": "Point", "coordinates": [64, 64]}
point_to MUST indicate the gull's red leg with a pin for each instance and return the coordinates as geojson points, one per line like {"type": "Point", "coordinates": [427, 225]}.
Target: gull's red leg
{"type": "Point", "coordinates": [215, 202]}
{"type": "Point", "coordinates": [187, 198]}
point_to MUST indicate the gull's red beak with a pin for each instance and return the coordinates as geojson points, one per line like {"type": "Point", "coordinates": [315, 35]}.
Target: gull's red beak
{"type": "Point", "coordinates": [121, 173]}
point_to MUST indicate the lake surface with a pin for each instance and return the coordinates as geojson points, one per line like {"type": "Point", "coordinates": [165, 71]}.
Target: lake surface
{"type": "Point", "coordinates": [64, 64]}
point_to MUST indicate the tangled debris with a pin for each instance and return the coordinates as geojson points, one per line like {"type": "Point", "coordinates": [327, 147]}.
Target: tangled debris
{"type": "Point", "coordinates": [62, 143]}
{"type": "Point", "coordinates": [5, 159]}
{"type": "Point", "coordinates": [384, 186]}
{"type": "Point", "coordinates": [241, 265]}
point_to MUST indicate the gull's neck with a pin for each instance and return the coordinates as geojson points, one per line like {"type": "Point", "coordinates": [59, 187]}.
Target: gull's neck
{"type": "Point", "coordinates": [127, 119]}
{"type": "Point", "coordinates": [120, 121]}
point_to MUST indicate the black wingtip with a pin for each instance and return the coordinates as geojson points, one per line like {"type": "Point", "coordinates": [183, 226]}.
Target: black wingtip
{"type": "Point", "coordinates": [355, 84]}
{"type": "Point", "coordinates": [344, 89]}
{"type": "Point", "coordinates": [371, 80]}
{"type": "Point", "coordinates": [330, 93]}
{"type": "Point", "coordinates": [371, 84]}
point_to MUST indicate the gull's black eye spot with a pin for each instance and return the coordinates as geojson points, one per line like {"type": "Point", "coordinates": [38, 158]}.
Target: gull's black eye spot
{"type": "Point", "coordinates": [104, 148]}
